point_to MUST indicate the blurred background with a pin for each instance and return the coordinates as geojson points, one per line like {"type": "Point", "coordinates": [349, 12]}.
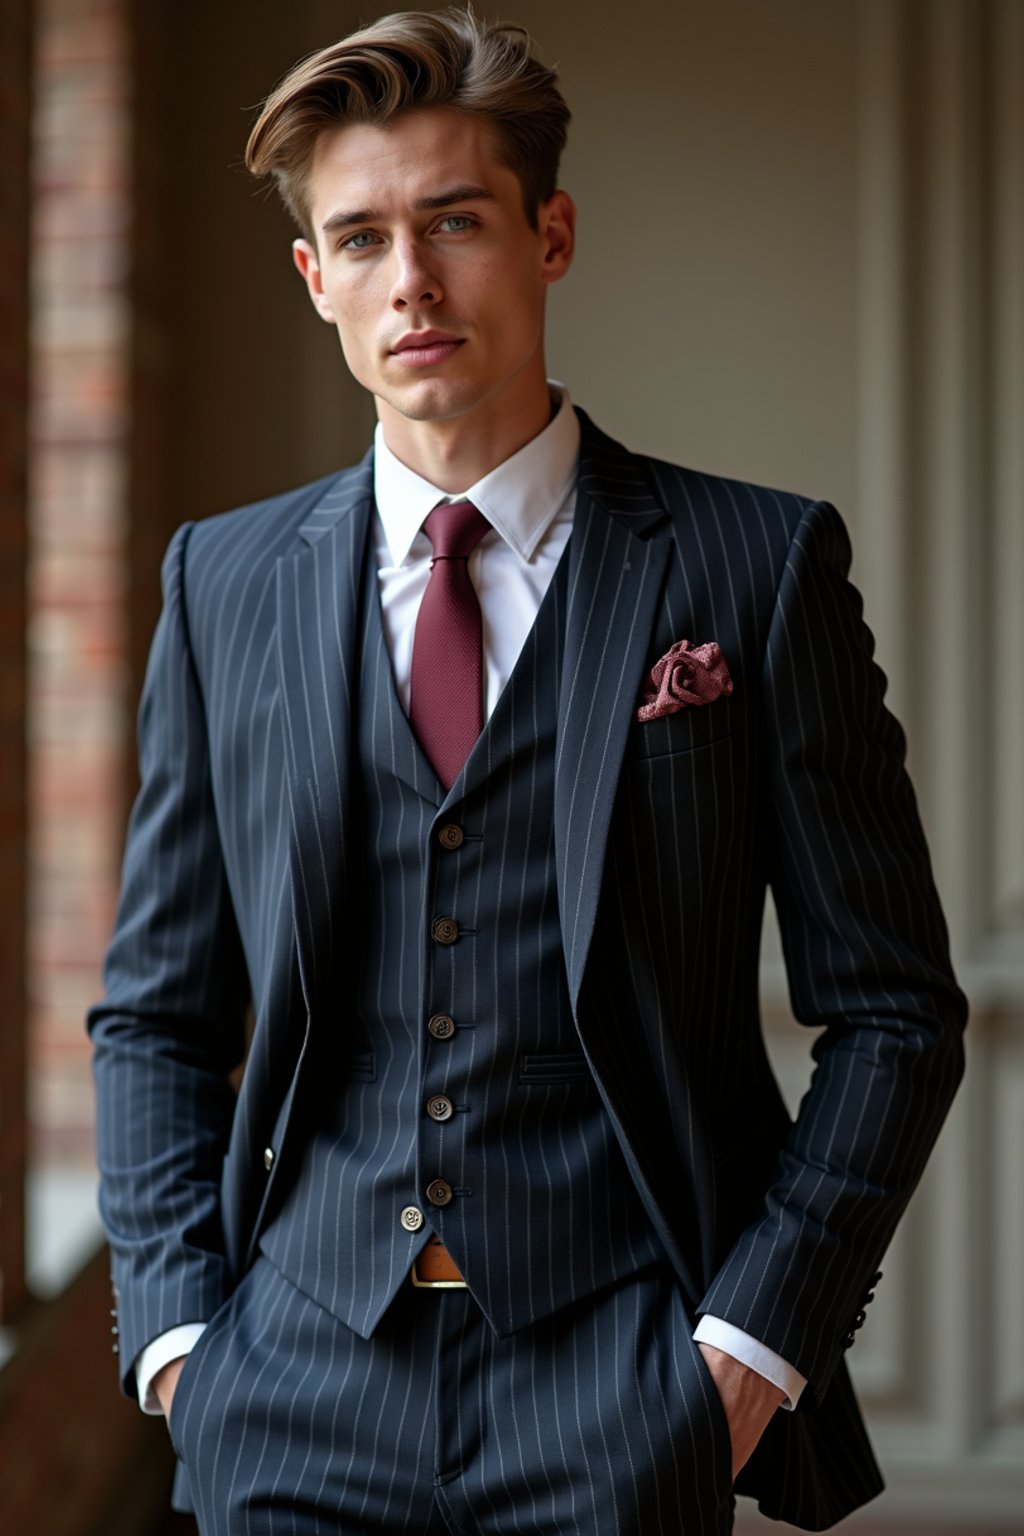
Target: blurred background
{"type": "Point", "coordinates": [801, 261]}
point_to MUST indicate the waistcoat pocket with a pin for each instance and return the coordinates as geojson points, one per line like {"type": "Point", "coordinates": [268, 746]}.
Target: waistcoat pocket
{"type": "Point", "coordinates": [360, 1067]}
{"type": "Point", "coordinates": [554, 1067]}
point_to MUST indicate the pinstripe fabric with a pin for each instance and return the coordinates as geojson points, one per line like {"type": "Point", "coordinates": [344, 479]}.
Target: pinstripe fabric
{"type": "Point", "coordinates": [544, 1211]}
{"type": "Point", "coordinates": [601, 1419]}
{"type": "Point", "coordinates": [240, 878]}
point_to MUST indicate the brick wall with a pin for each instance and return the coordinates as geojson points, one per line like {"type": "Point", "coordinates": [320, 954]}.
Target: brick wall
{"type": "Point", "coordinates": [78, 575]}
{"type": "Point", "coordinates": [14, 123]}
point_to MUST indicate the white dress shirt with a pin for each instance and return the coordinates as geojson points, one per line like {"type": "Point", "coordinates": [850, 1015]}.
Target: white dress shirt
{"type": "Point", "coordinates": [529, 501]}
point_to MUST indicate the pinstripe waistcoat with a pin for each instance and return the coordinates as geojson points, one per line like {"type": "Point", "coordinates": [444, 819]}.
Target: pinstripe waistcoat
{"type": "Point", "coordinates": [242, 881]}
{"type": "Point", "coordinates": [543, 1210]}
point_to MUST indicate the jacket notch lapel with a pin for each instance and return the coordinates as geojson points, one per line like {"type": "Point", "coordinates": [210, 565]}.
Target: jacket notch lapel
{"type": "Point", "coordinates": [318, 612]}
{"type": "Point", "coordinates": [619, 554]}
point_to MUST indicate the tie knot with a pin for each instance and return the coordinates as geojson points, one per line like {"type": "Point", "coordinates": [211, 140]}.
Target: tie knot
{"type": "Point", "coordinates": [455, 529]}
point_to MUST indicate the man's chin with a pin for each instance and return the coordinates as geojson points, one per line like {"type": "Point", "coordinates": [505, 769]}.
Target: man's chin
{"type": "Point", "coordinates": [430, 400]}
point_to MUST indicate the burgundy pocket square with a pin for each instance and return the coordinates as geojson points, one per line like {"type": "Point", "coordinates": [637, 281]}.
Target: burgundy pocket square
{"type": "Point", "coordinates": [686, 676]}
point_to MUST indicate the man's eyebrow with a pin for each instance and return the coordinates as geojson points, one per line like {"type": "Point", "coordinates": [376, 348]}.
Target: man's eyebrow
{"type": "Point", "coordinates": [468, 192]}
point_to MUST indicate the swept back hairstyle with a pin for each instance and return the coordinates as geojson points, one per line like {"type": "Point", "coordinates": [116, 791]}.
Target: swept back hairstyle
{"type": "Point", "coordinates": [415, 59]}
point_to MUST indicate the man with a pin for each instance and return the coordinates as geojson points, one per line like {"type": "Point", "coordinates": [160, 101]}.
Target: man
{"type": "Point", "coordinates": [469, 768]}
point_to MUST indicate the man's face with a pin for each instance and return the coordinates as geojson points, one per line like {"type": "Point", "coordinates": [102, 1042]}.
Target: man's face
{"type": "Point", "coordinates": [427, 265]}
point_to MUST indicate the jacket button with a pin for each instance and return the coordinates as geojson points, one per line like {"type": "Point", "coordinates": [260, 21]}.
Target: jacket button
{"type": "Point", "coordinates": [441, 1026]}
{"type": "Point", "coordinates": [268, 1158]}
{"type": "Point", "coordinates": [439, 1192]}
{"type": "Point", "coordinates": [444, 930]}
{"type": "Point", "coordinates": [451, 836]}
{"type": "Point", "coordinates": [412, 1218]}
{"type": "Point", "coordinates": [440, 1107]}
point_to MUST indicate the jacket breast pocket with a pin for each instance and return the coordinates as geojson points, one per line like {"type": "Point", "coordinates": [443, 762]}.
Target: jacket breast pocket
{"type": "Point", "coordinates": [685, 761]}
{"type": "Point", "coordinates": [685, 731]}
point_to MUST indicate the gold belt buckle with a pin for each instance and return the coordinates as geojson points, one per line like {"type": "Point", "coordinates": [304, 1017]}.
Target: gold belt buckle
{"type": "Point", "coordinates": [447, 1276]}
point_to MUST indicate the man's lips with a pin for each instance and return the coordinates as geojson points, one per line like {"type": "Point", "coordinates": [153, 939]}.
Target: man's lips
{"type": "Point", "coordinates": [419, 349]}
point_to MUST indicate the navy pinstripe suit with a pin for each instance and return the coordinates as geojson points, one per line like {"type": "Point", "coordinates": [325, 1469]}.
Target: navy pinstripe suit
{"type": "Point", "coordinates": [239, 884]}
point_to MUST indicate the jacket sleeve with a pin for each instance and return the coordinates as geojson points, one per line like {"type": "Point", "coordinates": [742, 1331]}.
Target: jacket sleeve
{"type": "Point", "coordinates": [171, 1025]}
{"type": "Point", "coordinates": [867, 959]}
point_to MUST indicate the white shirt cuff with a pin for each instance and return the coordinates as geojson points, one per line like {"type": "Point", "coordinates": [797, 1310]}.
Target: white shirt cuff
{"type": "Point", "coordinates": [151, 1360]}
{"type": "Point", "coordinates": [733, 1341]}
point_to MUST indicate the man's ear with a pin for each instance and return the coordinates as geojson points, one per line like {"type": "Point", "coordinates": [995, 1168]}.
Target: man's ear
{"type": "Point", "coordinates": [306, 260]}
{"type": "Point", "coordinates": [557, 221]}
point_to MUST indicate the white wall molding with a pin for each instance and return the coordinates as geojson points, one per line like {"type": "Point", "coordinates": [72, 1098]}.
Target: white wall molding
{"type": "Point", "coordinates": [1007, 639]}
{"type": "Point", "coordinates": [940, 366]}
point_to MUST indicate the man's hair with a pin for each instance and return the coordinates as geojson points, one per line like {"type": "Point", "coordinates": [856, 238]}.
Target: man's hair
{"type": "Point", "coordinates": [411, 60]}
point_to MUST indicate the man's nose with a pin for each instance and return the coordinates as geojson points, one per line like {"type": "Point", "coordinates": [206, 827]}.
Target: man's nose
{"type": "Point", "coordinates": [414, 281]}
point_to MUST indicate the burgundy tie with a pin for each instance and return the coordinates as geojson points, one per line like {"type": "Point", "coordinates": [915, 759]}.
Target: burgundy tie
{"type": "Point", "coordinates": [446, 705]}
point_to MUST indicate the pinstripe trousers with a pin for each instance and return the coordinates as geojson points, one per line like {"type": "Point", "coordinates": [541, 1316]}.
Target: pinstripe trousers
{"type": "Point", "coordinates": [600, 1421]}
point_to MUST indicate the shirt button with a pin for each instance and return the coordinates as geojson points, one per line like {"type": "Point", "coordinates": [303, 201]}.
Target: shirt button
{"type": "Point", "coordinates": [451, 836]}
{"type": "Point", "coordinates": [441, 1026]}
{"type": "Point", "coordinates": [444, 930]}
{"type": "Point", "coordinates": [412, 1218]}
{"type": "Point", "coordinates": [439, 1192]}
{"type": "Point", "coordinates": [268, 1159]}
{"type": "Point", "coordinates": [440, 1107]}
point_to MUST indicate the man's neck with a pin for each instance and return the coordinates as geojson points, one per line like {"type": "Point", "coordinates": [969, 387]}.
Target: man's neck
{"type": "Point", "coordinates": [455, 454]}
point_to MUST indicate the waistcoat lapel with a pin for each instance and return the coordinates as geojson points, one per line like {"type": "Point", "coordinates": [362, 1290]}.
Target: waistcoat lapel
{"type": "Point", "coordinates": [618, 557]}
{"type": "Point", "coordinates": [318, 608]}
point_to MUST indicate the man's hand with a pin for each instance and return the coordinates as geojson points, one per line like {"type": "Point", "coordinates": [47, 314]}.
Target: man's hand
{"type": "Point", "coordinates": [166, 1380]}
{"type": "Point", "coordinates": [748, 1398]}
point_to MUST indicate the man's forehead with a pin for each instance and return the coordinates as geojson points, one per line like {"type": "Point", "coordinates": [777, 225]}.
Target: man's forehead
{"type": "Point", "coordinates": [415, 157]}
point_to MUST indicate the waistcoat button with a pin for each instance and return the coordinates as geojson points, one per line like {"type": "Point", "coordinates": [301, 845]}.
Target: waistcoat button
{"type": "Point", "coordinates": [412, 1218]}
{"type": "Point", "coordinates": [268, 1159]}
{"type": "Point", "coordinates": [441, 1026]}
{"type": "Point", "coordinates": [440, 1107]}
{"type": "Point", "coordinates": [451, 836]}
{"type": "Point", "coordinates": [444, 930]}
{"type": "Point", "coordinates": [439, 1192]}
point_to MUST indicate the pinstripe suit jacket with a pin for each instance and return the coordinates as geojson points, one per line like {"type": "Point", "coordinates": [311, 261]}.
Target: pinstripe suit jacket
{"type": "Point", "coordinates": [667, 836]}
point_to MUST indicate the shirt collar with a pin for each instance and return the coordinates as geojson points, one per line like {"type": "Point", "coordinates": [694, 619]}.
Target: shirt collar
{"type": "Point", "coordinates": [520, 498]}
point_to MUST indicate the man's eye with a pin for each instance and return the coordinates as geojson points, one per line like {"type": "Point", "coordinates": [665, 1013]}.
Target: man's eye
{"type": "Point", "coordinates": [455, 223]}
{"type": "Point", "coordinates": [358, 242]}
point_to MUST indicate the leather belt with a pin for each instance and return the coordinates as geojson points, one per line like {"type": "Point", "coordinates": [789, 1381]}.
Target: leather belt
{"type": "Point", "coordinates": [434, 1269]}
